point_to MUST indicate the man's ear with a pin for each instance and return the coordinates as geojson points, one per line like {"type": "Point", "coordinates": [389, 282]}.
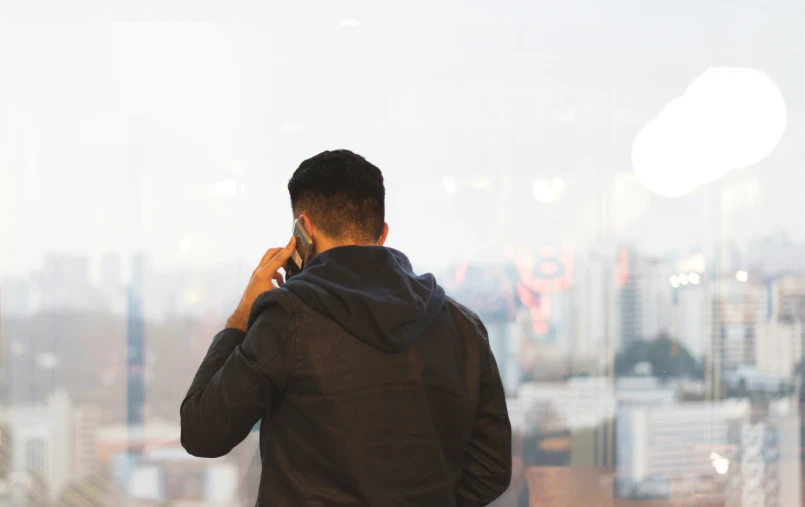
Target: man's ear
{"type": "Point", "coordinates": [306, 223]}
{"type": "Point", "coordinates": [384, 235]}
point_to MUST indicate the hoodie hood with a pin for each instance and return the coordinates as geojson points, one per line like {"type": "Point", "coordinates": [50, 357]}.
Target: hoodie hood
{"type": "Point", "coordinates": [372, 293]}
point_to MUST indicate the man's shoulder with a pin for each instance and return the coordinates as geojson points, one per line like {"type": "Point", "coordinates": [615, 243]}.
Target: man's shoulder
{"type": "Point", "coordinates": [280, 301]}
{"type": "Point", "coordinates": [461, 311]}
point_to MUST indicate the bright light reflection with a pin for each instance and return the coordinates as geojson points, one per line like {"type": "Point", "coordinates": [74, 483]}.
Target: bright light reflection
{"type": "Point", "coordinates": [546, 191]}
{"type": "Point", "coordinates": [449, 185]}
{"type": "Point", "coordinates": [720, 463]}
{"type": "Point", "coordinates": [674, 281]}
{"type": "Point", "coordinates": [558, 183]}
{"type": "Point", "coordinates": [683, 279]}
{"type": "Point", "coordinates": [728, 118]}
{"type": "Point", "coordinates": [694, 278]}
{"type": "Point", "coordinates": [226, 188]}
{"type": "Point", "coordinates": [742, 276]}
{"type": "Point", "coordinates": [481, 183]}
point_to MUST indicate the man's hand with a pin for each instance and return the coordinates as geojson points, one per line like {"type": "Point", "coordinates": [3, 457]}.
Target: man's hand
{"type": "Point", "coordinates": [261, 281]}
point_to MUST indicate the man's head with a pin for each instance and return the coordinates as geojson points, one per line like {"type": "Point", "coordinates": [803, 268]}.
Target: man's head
{"type": "Point", "coordinates": [340, 198]}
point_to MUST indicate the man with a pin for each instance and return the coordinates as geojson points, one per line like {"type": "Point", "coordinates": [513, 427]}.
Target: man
{"type": "Point", "coordinates": [374, 388]}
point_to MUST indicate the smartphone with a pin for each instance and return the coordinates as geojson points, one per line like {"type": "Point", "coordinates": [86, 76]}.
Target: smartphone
{"type": "Point", "coordinates": [301, 254]}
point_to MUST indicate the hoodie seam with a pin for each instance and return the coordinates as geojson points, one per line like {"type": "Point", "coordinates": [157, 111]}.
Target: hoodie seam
{"type": "Point", "coordinates": [294, 304]}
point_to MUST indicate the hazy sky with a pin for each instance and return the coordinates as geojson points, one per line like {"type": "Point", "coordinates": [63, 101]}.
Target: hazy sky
{"type": "Point", "coordinates": [462, 105]}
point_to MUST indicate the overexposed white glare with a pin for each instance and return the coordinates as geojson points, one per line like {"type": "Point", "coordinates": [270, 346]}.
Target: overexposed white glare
{"type": "Point", "coordinates": [449, 185]}
{"type": "Point", "coordinates": [742, 276]}
{"type": "Point", "coordinates": [720, 463]}
{"type": "Point", "coordinates": [547, 190]}
{"type": "Point", "coordinates": [674, 280]}
{"type": "Point", "coordinates": [728, 118]}
{"type": "Point", "coordinates": [683, 278]}
{"type": "Point", "coordinates": [694, 278]}
{"type": "Point", "coordinates": [481, 183]}
{"type": "Point", "coordinates": [226, 188]}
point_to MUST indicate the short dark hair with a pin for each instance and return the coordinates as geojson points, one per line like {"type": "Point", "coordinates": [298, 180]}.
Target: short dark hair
{"type": "Point", "coordinates": [342, 193]}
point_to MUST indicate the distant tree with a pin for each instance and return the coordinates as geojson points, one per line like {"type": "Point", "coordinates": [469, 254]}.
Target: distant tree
{"type": "Point", "coordinates": [668, 359]}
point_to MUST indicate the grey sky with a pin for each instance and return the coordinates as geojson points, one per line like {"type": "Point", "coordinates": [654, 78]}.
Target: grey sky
{"type": "Point", "coordinates": [491, 94]}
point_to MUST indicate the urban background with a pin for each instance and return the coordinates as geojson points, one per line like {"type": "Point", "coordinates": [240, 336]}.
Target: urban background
{"type": "Point", "coordinates": [615, 188]}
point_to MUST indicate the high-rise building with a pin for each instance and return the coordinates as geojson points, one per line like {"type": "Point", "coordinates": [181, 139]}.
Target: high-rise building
{"type": "Point", "coordinates": [736, 307]}
{"type": "Point", "coordinates": [691, 319]}
{"type": "Point", "coordinates": [785, 298]}
{"type": "Point", "coordinates": [778, 347]}
{"type": "Point", "coordinates": [86, 423]}
{"type": "Point", "coordinates": [630, 282]}
{"type": "Point", "coordinates": [596, 306]}
{"type": "Point", "coordinates": [662, 449]}
{"type": "Point", "coordinates": [780, 330]}
{"type": "Point", "coordinates": [42, 441]}
{"type": "Point", "coordinates": [645, 296]}
{"type": "Point", "coordinates": [655, 294]}
{"type": "Point", "coordinates": [135, 344]}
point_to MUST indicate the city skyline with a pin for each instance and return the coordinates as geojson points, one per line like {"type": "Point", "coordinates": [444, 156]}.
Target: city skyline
{"type": "Point", "coordinates": [614, 188]}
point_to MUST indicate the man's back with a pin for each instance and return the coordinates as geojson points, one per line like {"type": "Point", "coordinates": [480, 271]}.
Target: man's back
{"type": "Point", "coordinates": [375, 389]}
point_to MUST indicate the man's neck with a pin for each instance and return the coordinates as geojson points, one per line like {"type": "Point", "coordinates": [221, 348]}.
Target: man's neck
{"type": "Point", "coordinates": [323, 244]}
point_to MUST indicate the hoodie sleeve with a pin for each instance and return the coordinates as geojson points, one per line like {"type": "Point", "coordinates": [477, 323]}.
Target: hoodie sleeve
{"type": "Point", "coordinates": [242, 376]}
{"type": "Point", "coordinates": [488, 460]}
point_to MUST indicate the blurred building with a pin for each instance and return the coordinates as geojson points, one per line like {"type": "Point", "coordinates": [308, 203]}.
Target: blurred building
{"type": "Point", "coordinates": [596, 304]}
{"type": "Point", "coordinates": [778, 347]}
{"type": "Point", "coordinates": [662, 449]}
{"type": "Point", "coordinates": [786, 298]}
{"type": "Point", "coordinates": [656, 297]}
{"type": "Point", "coordinates": [764, 466]}
{"type": "Point", "coordinates": [691, 324]}
{"type": "Point", "coordinates": [581, 408]}
{"type": "Point", "coordinates": [64, 283]}
{"type": "Point", "coordinates": [86, 424]}
{"type": "Point", "coordinates": [644, 392]}
{"type": "Point", "coordinates": [736, 307]}
{"type": "Point", "coordinates": [780, 328]}
{"type": "Point", "coordinates": [775, 255]}
{"type": "Point", "coordinates": [16, 298]}
{"type": "Point", "coordinates": [169, 473]}
{"type": "Point", "coordinates": [117, 439]}
{"type": "Point", "coordinates": [645, 296]}
{"type": "Point", "coordinates": [42, 443]}
{"type": "Point", "coordinates": [582, 402]}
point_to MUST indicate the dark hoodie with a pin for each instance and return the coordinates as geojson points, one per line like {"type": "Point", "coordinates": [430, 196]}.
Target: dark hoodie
{"type": "Point", "coordinates": [373, 387]}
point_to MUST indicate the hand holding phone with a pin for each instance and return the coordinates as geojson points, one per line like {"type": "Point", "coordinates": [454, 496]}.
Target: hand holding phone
{"type": "Point", "coordinates": [303, 250]}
